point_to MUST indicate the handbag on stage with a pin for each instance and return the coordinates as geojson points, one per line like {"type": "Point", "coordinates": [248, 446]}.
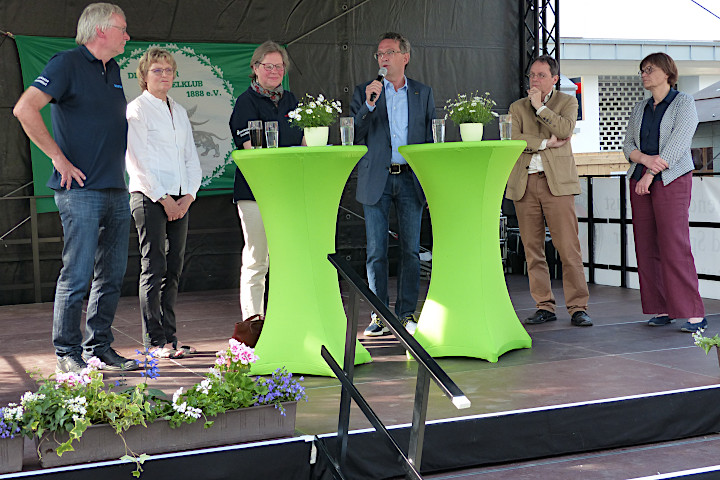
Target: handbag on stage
{"type": "Point", "coordinates": [248, 331]}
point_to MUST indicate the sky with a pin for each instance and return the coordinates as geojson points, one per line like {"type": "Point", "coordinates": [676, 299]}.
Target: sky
{"type": "Point", "coordinates": [641, 19]}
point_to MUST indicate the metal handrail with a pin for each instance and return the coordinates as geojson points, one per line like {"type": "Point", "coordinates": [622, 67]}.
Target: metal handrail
{"type": "Point", "coordinates": [428, 369]}
{"type": "Point", "coordinates": [443, 381]}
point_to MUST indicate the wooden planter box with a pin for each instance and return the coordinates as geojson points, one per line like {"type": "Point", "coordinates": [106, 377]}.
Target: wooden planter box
{"type": "Point", "coordinates": [11, 454]}
{"type": "Point", "coordinates": [100, 442]}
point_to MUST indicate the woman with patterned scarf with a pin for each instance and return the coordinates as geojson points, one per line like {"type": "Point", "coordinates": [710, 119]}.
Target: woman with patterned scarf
{"type": "Point", "coordinates": [264, 100]}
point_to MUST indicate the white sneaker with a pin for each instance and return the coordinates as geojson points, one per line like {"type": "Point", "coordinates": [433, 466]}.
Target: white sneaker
{"type": "Point", "coordinates": [410, 323]}
{"type": "Point", "coordinates": [376, 329]}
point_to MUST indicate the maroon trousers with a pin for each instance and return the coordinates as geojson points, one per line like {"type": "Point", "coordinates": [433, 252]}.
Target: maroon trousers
{"type": "Point", "coordinates": [668, 279]}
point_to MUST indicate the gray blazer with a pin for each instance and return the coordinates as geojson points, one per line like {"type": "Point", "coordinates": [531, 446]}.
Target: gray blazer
{"type": "Point", "coordinates": [373, 130]}
{"type": "Point", "coordinates": [676, 131]}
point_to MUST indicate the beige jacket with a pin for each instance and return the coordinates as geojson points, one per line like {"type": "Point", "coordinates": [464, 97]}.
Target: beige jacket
{"type": "Point", "coordinates": [557, 118]}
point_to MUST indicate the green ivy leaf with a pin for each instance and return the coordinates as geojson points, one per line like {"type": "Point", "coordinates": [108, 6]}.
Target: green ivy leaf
{"type": "Point", "coordinates": [64, 447]}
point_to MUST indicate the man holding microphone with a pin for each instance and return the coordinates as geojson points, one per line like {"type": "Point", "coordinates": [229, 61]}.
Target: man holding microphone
{"type": "Point", "coordinates": [388, 114]}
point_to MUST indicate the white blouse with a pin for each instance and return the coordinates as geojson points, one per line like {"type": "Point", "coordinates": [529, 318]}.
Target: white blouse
{"type": "Point", "coordinates": [161, 155]}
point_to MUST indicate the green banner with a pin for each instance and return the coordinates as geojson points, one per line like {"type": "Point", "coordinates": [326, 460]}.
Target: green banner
{"type": "Point", "coordinates": [209, 79]}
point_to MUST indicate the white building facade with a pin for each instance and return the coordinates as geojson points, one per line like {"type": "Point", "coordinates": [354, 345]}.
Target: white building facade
{"type": "Point", "coordinates": [611, 85]}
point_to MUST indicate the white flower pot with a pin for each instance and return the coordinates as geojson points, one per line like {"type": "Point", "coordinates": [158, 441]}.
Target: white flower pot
{"type": "Point", "coordinates": [316, 136]}
{"type": "Point", "coordinates": [471, 132]}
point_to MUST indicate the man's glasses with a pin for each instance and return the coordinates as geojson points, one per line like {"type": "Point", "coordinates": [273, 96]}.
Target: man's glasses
{"type": "Point", "coordinates": [122, 29]}
{"type": "Point", "coordinates": [389, 53]}
{"type": "Point", "coordinates": [273, 66]}
{"type": "Point", "coordinates": [162, 71]}
{"type": "Point", "coordinates": [647, 70]}
{"type": "Point", "coordinates": [541, 76]}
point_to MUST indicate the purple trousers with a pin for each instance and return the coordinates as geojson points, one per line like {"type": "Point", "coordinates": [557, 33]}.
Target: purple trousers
{"type": "Point", "coordinates": [668, 279]}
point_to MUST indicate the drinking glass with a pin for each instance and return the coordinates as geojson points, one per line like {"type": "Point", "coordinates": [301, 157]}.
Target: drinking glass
{"type": "Point", "coordinates": [505, 127]}
{"type": "Point", "coordinates": [438, 130]}
{"type": "Point", "coordinates": [271, 134]}
{"type": "Point", "coordinates": [347, 130]}
{"type": "Point", "coordinates": [255, 128]}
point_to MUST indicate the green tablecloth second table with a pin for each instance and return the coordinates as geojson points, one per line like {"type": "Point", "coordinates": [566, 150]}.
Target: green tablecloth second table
{"type": "Point", "coordinates": [298, 191]}
{"type": "Point", "coordinates": [468, 312]}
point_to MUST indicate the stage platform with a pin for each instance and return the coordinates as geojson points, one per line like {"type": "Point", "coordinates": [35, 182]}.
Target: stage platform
{"type": "Point", "coordinates": [564, 409]}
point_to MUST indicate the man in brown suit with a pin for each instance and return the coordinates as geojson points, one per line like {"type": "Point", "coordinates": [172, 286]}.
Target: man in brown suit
{"type": "Point", "coordinates": [543, 184]}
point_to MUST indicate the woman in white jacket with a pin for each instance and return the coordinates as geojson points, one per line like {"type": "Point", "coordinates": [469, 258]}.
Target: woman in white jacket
{"type": "Point", "coordinates": [165, 174]}
{"type": "Point", "coordinates": [657, 145]}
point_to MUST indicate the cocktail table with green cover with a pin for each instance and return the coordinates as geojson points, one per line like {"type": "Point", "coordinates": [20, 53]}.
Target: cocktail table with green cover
{"type": "Point", "coordinates": [298, 190]}
{"type": "Point", "coordinates": [468, 312]}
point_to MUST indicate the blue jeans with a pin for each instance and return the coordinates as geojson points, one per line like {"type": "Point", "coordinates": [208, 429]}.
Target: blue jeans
{"type": "Point", "coordinates": [96, 227]}
{"type": "Point", "coordinates": [400, 191]}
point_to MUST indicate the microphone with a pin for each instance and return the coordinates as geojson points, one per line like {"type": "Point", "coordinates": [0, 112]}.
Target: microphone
{"type": "Point", "coordinates": [381, 74]}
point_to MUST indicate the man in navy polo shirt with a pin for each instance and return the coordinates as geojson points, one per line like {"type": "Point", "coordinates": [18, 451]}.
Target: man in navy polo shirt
{"type": "Point", "coordinates": [88, 156]}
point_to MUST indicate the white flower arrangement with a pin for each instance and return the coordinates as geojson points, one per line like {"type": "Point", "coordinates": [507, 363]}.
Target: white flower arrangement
{"type": "Point", "coordinates": [77, 406]}
{"type": "Point", "coordinates": [315, 112]}
{"type": "Point", "coordinates": [68, 403]}
{"type": "Point", "coordinates": [706, 343]}
{"type": "Point", "coordinates": [473, 108]}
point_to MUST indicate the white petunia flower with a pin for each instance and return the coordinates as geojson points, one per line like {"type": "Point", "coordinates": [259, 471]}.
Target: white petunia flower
{"type": "Point", "coordinates": [177, 394]}
{"type": "Point", "coordinates": [204, 386]}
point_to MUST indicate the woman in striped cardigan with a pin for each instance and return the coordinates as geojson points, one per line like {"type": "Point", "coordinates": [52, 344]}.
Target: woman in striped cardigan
{"type": "Point", "coordinates": [657, 145]}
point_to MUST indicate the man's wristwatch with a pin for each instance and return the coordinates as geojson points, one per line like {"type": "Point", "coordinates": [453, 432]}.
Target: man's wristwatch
{"type": "Point", "coordinates": [163, 197]}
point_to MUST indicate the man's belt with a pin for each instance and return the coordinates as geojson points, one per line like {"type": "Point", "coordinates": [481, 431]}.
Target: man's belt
{"type": "Point", "coordinates": [396, 168]}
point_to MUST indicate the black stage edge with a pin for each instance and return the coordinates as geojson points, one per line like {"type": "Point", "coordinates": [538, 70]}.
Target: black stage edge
{"type": "Point", "coordinates": [275, 459]}
{"type": "Point", "coordinates": [450, 444]}
{"type": "Point", "coordinates": [509, 437]}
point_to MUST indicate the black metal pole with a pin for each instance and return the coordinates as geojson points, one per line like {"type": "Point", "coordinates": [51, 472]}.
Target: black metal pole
{"type": "Point", "coordinates": [349, 369]}
{"type": "Point", "coordinates": [623, 232]}
{"type": "Point", "coordinates": [536, 29]}
{"type": "Point", "coordinates": [417, 430]}
{"type": "Point", "coordinates": [557, 36]}
{"type": "Point", "coordinates": [523, 53]}
{"type": "Point", "coordinates": [410, 470]}
{"type": "Point", "coordinates": [590, 231]}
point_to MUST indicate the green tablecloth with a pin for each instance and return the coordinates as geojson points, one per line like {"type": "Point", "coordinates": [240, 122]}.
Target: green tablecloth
{"type": "Point", "coordinates": [467, 312]}
{"type": "Point", "coordinates": [298, 191]}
